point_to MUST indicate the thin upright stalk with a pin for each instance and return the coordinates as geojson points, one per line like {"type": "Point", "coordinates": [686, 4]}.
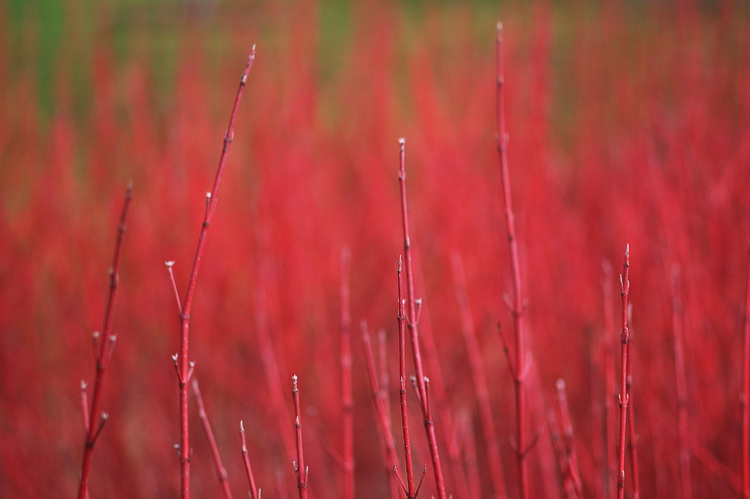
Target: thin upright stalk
{"type": "Point", "coordinates": [480, 381]}
{"type": "Point", "coordinates": [299, 465]}
{"type": "Point", "coordinates": [382, 415]}
{"type": "Point", "coordinates": [221, 471]}
{"type": "Point", "coordinates": [681, 382]}
{"type": "Point", "coordinates": [569, 447]}
{"type": "Point", "coordinates": [346, 378]}
{"type": "Point", "coordinates": [746, 395]}
{"type": "Point", "coordinates": [624, 395]}
{"type": "Point", "coordinates": [183, 366]}
{"type": "Point", "coordinates": [409, 485]}
{"type": "Point", "coordinates": [412, 319]}
{"type": "Point", "coordinates": [519, 370]}
{"type": "Point", "coordinates": [254, 491]}
{"type": "Point", "coordinates": [104, 344]}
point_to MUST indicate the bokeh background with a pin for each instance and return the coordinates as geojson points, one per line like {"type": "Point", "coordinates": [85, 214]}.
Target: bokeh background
{"type": "Point", "coordinates": [629, 123]}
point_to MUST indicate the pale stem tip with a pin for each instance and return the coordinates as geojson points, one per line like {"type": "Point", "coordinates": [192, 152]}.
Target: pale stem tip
{"type": "Point", "coordinates": [84, 385]}
{"type": "Point", "coordinates": [169, 263]}
{"type": "Point", "coordinates": [242, 427]}
{"type": "Point", "coordinates": [105, 416]}
{"type": "Point", "coordinates": [208, 195]}
{"type": "Point", "coordinates": [627, 249]}
{"type": "Point", "coordinates": [96, 335]}
{"type": "Point", "coordinates": [499, 26]}
{"type": "Point", "coordinates": [174, 358]}
{"type": "Point", "coordinates": [402, 141]}
{"type": "Point", "coordinates": [561, 384]}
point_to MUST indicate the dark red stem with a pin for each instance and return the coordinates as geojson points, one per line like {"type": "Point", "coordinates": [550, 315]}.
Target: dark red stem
{"type": "Point", "coordinates": [184, 367]}
{"type": "Point", "coordinates": [346, 378]}
{"type": "Point", "coordinates": [104, 344]}
{"type": "Point", "coordinates": [624, 396]}
{"type": "Point", "coordinates": [299, 465]}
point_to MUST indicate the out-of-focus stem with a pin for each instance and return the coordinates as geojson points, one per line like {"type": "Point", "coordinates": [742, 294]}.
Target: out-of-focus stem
{"type": "Point", "coordinates": [221, 471]}
{"type": "Point", "coordinates": [681, 382]}
{"type": "Point", "coordinates": [746, 395]}
{"type": "Point", "coordinates": [346, 378]}
{"type": "Point", "coordinates": [520, 370]}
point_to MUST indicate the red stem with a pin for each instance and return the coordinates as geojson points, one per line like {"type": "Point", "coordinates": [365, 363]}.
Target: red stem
{"type": "Point", "coordinates": [382, 415]}
{"type": "Point", "coordinates": [254, 491]}
{"type": "Point", "coordinates": [746, 395]}
{"type": "Point", "coordinates": [409, 486]}
{"type": "Point", "coordinates": [480, 381]}
{"type": "Point", "coordinates": [624, 395]}
{"type": "Point", "coordinates": [221, 471]}
{"type": "Point", "coordinates": [681, 381]}
{"type": "Point", "coordinates": [299, 465]}
{"type": "Point", "coordinates": [412, 319]}
{"type": "Point", "coordinates": [346, 378]}
{"type": "Point", "coordinates": [105, 343]}
{"type": "Point", "coordinates": [184, 366]}
{"type": "Point", "coordinates": [569, 448]}
{"type": "Point", "coordinates": [517, 307]}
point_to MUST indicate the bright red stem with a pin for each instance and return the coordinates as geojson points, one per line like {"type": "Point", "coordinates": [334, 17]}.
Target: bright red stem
{"type": "Point", "coordinates": [624, 396]}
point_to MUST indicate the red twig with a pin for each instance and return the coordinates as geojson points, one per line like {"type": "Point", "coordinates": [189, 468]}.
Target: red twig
{"type": "Point", "coordinates": [412, 320]}
{"type": "Point", "coordinates": [382, 415]}
{"type": "Point", "coordinates": [682, 400]}
{"type": "Point", "coordinates": [519, 371]}
{"type": "Point", "coordinates": [221, 471]}
{"type": "Point", "coordinates": [254, 491]}
{"type": "Point", "coordinates": [480, 381]}
{"type": "Point", "coordinates": [746, 395]}
{"type": "Point", "coordinates": [624, 395]}
{"type": "Point", "coordinates": [346, 378]}
{"type": "Point", "coordinates": [299, 465]}
{"type": "Point", "coordinates": [183, 365]}
{"type": "Point", "coordinates": [104, 345]}
{"type": "Point", "coordinates": [409, 486]}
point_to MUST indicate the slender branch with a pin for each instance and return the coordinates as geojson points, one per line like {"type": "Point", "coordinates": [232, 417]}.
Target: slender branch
{"type": "Point", "coordinates": [681, 382]}
{"type": "Point", "coordinates": [569, 447]}
{"type": "Point", "coordinates": [517, 307]}
{"type": "Point", "coordinates": [184, 367]}
{"type": "Point", "coordinates": [746, 394]}
{"type": "Point", "coordinates": [624, 396]}
{"type": "Point", "coordinates": [103, 352]}
{"type": "Point", "coordinates": [346, 378]}
{"type": "Point", "coordinates": [412, 319]}
{"type": "Point", "coordinates": [254, 491]}
{"type": "Point", "coordinates": [221, 471]}
{"type": "Point", "coordinates": [382, 415]}
{"type": "Point", "coordinates": [299, 465]}
{"type": "Point", "coordinates": [480, 381]}
{"type": "Point", "coordinates": [409, 487]}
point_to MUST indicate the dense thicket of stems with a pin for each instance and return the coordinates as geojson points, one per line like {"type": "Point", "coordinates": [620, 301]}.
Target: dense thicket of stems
{"type": "Point", "coordinates": [686, 485]}
{"type": "Point", "coordinates": [519, 367]}
{"type": "Point", "coordinates": [624, 395]}
{"type": "Point", "coordinates": [104, 344]}
{"type": "Point", "coordinates": [411, 319]}
{"type": "Point", "coordinates": [183, 365]}
{"type": "Point", "coordinates": [221, 471]}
